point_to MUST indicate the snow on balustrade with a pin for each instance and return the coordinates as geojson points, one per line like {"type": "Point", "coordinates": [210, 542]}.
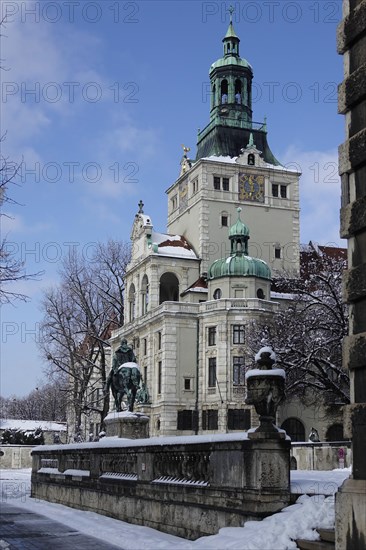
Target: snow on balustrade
{"type": "Point", "coordinates": [122, 464]}
{"type": "Point", "coordinates": [180, 481]}
{"type": "Point", "coordinates": [118, 476]}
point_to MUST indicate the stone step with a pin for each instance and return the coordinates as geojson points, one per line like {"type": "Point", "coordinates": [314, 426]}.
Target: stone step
{"type": "Point", "coordinates": [327, 534]}
{"type": "Point", "coordinates": [314, 545]}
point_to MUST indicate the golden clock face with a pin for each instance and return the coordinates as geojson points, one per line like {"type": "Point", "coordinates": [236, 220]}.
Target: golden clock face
{"type": "Point", "coordinates": [251, 188]}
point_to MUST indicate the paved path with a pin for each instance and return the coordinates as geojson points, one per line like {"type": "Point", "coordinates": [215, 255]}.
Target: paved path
{"type": "Point", "coordinates": [23, 530]}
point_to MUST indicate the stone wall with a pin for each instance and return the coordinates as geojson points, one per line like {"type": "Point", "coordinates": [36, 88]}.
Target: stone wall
{"type": "Point", "coordinates": [15, 456]}
{"type": "Point", "coordinates": [180, 487]}
{"type": "Point", "coordinates": [351, 42]}
{"type": "Point", "coordinates": [321, 456]}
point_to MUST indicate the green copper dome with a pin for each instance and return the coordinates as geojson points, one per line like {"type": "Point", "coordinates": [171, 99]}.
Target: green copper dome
{"type": "Point", "coordinates": [239, 264]}
{"type": "Point", "coordinates": [239, 228]}
{"type": "Point", "coordinates": [230, 60]}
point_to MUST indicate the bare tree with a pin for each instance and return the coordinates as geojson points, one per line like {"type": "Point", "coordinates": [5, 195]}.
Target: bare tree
{"type": "Point", "coordinates": [46, 402]}
{"type": "Point", "coordinates": [307, 335]}
{"type": "Point", "coordinates": [78, 318]}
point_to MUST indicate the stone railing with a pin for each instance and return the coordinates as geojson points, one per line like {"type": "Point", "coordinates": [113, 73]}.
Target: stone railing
{"type": "Point", "coordinates": [168, 483]}
{"type": "Point", "coordinates": [237, 303]}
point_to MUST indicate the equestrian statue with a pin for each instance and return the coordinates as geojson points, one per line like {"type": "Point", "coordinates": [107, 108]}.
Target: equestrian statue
{"type": "Point", "coordinates": [124, 377]}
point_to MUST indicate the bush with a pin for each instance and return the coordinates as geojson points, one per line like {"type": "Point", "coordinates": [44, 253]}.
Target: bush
{"type": "Point", "coordinates": [22, 437]}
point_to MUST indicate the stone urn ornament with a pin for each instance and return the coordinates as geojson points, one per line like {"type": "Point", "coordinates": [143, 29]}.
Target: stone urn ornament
{"type": "Point", "coordinates": [265, 390]}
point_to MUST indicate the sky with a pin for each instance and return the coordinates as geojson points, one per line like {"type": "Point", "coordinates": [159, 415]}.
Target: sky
{"type": "Point", "coordinates": [98, 98]}
{"type": "Point", "coordinates": [278, 531]}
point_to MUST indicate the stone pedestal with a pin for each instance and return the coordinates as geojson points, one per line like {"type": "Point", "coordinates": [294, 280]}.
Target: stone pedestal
{"type": "Point", "coordinates": [351, 515]}
{"type": "Point", "coordinates": [127, 425]}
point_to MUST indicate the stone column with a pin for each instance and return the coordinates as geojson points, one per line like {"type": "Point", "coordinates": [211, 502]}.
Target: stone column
{"type": "Point", "coordinates": [351, 499]}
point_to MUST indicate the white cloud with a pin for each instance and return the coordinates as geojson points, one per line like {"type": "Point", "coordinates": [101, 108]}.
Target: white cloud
{"type": "Point", "coordinates": [41, 59]}
{"type": "Point", "coordinates": [320, 194]}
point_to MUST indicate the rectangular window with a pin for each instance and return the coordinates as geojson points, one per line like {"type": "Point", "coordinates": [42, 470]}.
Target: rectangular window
{"type": "Point", "coordinates": [212, 336]}
{"type": "Point", "coordinates": [216, 182]}
{"type": "Point", "coordinates": [224, 221]}
{"type": "Point", "coordinates": [187, 420]}
{"type": "Point", "coordinates": [145, 374]}
{"type": "Point", "coordinates": [210, 420]}
{"type": "Point", "coordinates": [238, 371]}
{"type": "Point", "coordinates": [144, 346]}
{"type": "Point", "coordinates": [159, 377]}
{"type": "Point", "coordinates": [187, 384]}
{"type": "Point", "coordinates": [274, 190]}
{"type": "Point", "coordinates": [212, 372]}
{"type": "Point", "coordinates": [225, 184]}
{"type": "Point", "coordinates": [238, 419]}
{"type": "Point", "coordinates": [159, 340]}
{"type": "Point", "coordinates": [278, 252]}
{"type": "Point", "coordinates": [194, 186]}
{"type": "Point", "coordinates": [238, 334]}
{"type": "Point", "coordinates": [283, 191]}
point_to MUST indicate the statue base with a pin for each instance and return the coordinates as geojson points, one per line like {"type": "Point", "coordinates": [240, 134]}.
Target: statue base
{"type": "Point", "coordinates": [127, 425]}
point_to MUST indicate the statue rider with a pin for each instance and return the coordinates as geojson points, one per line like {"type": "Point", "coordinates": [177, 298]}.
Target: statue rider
{"type": "Point", "coordinates": [124, 354]}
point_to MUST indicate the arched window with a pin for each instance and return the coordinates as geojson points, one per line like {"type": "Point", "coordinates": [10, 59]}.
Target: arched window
{"type": "Point", "coordinates": [251, 159]}
{"type": "Point", "coordinates": [260, 294]}
{"type": "Point", "coordinates": [213, 96]}
{"type": "Point", "coordinates": [217, 294]}
{"type": "Point", "coordinates": [335, 433]}
{"type": "Point", "coordinates": [131, 301]}
{"type": "Point", "coordinates": [224, 91]}
{"type": "Point", "coordinates": [294, 428]}
{"type": "Point", "coordinates": [144, 295]}
{"type": "Point", "coordinates": [238, 94]}
{"type": "Point", "coordinates": [169, 288]}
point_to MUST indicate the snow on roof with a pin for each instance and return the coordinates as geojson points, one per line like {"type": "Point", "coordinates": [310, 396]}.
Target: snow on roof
{"type": "Point", "coordinates": [198, 286]}
{"type": "Point", "coordinates": [17, 424]}
{"type": "Point", "coordinates": [221, 159]}
{"type": "Point", "coordinates": [172, 245]}
{"type": "Point", "coordinates": [233, 160]}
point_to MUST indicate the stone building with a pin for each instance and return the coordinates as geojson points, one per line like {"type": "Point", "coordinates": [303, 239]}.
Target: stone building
{"type": "Point", "coordinates": [191, 291]}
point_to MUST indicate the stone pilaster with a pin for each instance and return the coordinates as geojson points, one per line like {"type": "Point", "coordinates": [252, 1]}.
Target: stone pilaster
{"type": "Point", "coordinates": [351, 499]}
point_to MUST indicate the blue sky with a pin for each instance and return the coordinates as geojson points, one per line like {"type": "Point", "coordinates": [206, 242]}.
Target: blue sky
{"type": "Point", "coordinates": [98, 98]}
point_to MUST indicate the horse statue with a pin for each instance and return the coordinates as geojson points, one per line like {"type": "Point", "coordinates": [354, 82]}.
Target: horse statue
{"type": "Point", "coordinates": [125, 381]}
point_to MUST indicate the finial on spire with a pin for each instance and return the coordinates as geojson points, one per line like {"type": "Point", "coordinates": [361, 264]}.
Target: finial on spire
{"type": "Point", "coordinates": [238, 211]}
{"type": "Point", "coordinates": [141, 207]}
{"type": "Point", "coordinates": [185, 149]}
{"type": "Point", "coordinates": [231, 11]}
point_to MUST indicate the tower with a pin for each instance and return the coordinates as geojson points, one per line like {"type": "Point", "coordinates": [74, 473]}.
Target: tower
{"type": "Point", "coordinates": [234, 166]}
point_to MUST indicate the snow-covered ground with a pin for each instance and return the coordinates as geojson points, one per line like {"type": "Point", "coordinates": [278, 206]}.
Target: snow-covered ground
{"type": "Point", "coordinates": [277, 532]}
